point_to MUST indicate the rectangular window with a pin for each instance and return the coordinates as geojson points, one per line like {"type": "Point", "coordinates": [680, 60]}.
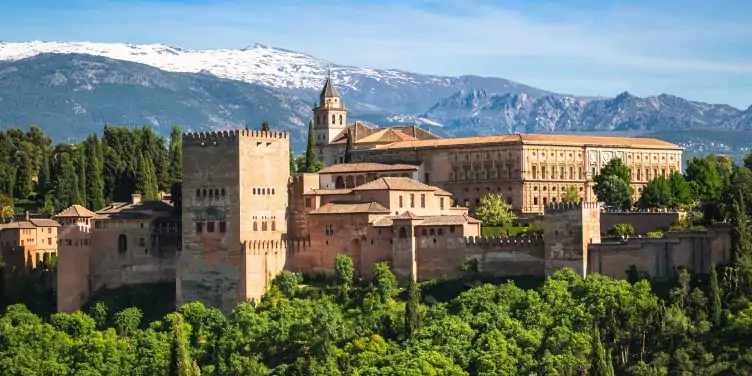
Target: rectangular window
{"type": "Point", "coordinates": [308, 202]}
{"type": "Point", "coordinates": [561, 172]}
{"type": "Point", "coordinates": [222, 227]}
{"type": "Point", "coordinates": [329, 230]}
{"type": "Point", "coordinates": [422, 201]}
{"type": "Point", "coordinates": [210, 226]}
{"type": "Point", "coordinates": [441, 203]}
{"type": "Point", "coordinates": [571, 173]}
{"type": "Point", "coordinates": [412, 200]}
{"type": "Point", "coordinates": [400, 201]}
{"type": "Point", "coordinates": [543, 172]}
{"type": "Point", "coordinates": [49, 241]}
{"type": "Point", "coordinates": [579, 173]}
{"type": "Point", "coordinates": [535, 172]}
{"type": "Point", "coordinates": [663, 172]}
{"type": "Point", "coordinates": [199, 227]}
{"type": "Point", "coordinates": [594, 173]}
{"type": "Point", "coordinates": [49, 230]}
{"type": "Point", "coordinates": [141, 242]}
{"type": "Point", "coordinates": [639, 174]}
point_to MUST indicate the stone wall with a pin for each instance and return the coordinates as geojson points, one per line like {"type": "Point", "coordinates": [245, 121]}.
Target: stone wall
{"type": "Point", "coordinates": [73, 268]}
{"type": "Point", "coordinates": [569, 230]}
{"type": "Point", "coordinates": [643, 222]}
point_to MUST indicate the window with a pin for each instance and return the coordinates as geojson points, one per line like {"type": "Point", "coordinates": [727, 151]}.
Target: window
{"type": "Point", "coordinates": [49, 241]}
{"type": "Point", "coordinates": [49, 230]}
{"type": "Point", "coordinates": [334, 119]}
{"type": "Point", "coordinates": [263, 226]}
{"type": "Point", "coordinates": [210, 226]}
{"type": "Point", "coordinates": [199, 227]}
{"type": "Point", "coordinates": [308, 202]}
{"type": "Point", "coordinates": [255, 226]}
{"type": "Point", "coordinates": [329, 230]}
{"type": "Point", "coordinates": [535, 200]}
{"type": "Point", "coordinates": [639, 174]}
{"type": "Point", "coordinates": [561, 172]}
{"type": "Point", "coordinates": [422, 200]}
{"type": "Point", "coordinates": [122, 243]}
{"type": "Point", "coordinates": [198, 193]}
{"type": "Point", "coordinates": [451, 229]}
{"type": "Point", "coordinates": [440, 232]}
{"type": "Point", "coordinates": [274, 225]}
{"type": "Point", "coordinates": [593, 173]}
{"type": "Point", "coordinates": [441, 203]}
{"type": "Point", "coordinates": [203, 193]}
{"type": "Point", "coordinates": [423, 232]}
{"type": "Point", "coordinates": [427, 178]}
{"type": "Point", "coordinates": [222, 227]}
{"type": "Point", "coordinates": [579, 173]}
{"type": "Point", "coordinates": [141, 242]}
{"type": "Point", "coordinates": [571, 173]}
{"type": "Point", "coordinates": [412, 200]}
{"type": "Point", "coordinates": [400, 201]}
{"type": "Point", "coordinates": [432, 232]}
{"type": "Point", "coordinates": [535, 172]}
{"type": "Point", "coordinates": [402, 232]}
{"type": "Point", "coordinates": [340, 119]}
{"type": "Point", "coordinates": [223, 192]}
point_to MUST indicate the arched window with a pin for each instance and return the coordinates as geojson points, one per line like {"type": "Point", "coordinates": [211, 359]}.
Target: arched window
{"type": "Point", "coordinates": [334, 119]}
{"type": "Point", "coordinates": [254, 191]}
{"type": "Point", "coordinates": [203, 193]}
{"type": "Point", "coordinates": [440, 232]}
{"type": "Point", "coordinates": [223, 192]}
{"type": "Point", "coordinates": [423, 232]}
{"type": "Point", "coordinates": [198, 193]}
{"type": "Point", "coordinates": [216, 192]}
{"type": "Point", "coordinates": [255, 226]}
{"type": "Point", "coordinates": [402, 232]}
{"type": "Point", "coordinates": [122, 243]}
{"type": "Point", "coordinates": [339, 183]}
{"type": "Point", "coordinates": [210, 193]}
{"type": "Point", "coordinates": [340, 119]}
{"type": "Point", "coordinates": [432, 232]}
{"type": "Point", "coordinates": [272, 190]}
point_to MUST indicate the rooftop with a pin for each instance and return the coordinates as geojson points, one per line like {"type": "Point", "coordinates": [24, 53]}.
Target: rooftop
{"type": "Point", "coordinates": [30, 224]}
{"type": "Point", "coordinates": [536, 139]}
{"type": "Point", "coordinates": [76, 211]}
{"type": "Point", "coordinates": [352, 208]}
{"type": "Point", "coordinates": [433, 220]}
{"type": "Point", "coordinates": [399, 184]}
{"type": "Point", "coordinates": [363, 133]}
{"type": "Point", "coordinates": [366, 167]}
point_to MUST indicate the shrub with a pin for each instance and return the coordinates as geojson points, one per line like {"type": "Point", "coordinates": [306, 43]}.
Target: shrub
{"type": "Point", "coordinates": [655, 234]}
{"type": "Point", "coordinates": [621, 229]}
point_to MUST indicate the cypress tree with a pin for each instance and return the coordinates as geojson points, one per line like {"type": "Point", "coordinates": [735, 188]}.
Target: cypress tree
{"type": "Point", "coordinates": [265, 126]}
{"type": "Point", "coordinates": [348, 146]}
{"type": "Point", "coordinates": [181, 363]}
{"type": "Point", "coordinates": [24, 171]}
{"type": "Point", "coordinates": [81, 174]}
{"type": "Point", "coordinates": [95, 179]}
{"type": "Point", "coordinates": [176, 155]}
{"type": "Point", "coordinates": [65, 183]}
{"type": "Point", "coordinates": [601, 359]}
{"type": "Point", "coordinates": [310, 157]}
{"type": "Point", "coordinates": [43, 180]}
{"type": "Point", "coordinates": [715, 297]}
{"type": "Point", "coordinates": [412, 307]}
{"type": "Point", "coordinates": [146, 178]}
{"type": "Point", "coordinates": [292, 163]}
{"type": "Point", "coordinates": [742, 239]}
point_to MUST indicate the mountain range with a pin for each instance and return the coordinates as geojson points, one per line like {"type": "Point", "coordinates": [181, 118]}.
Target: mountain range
{"type": "Point", "coordinates": [70, 89]}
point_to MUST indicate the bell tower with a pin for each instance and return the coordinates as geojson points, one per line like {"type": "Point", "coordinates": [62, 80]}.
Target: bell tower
{"type": "Point", "coordinates": [329, 119]}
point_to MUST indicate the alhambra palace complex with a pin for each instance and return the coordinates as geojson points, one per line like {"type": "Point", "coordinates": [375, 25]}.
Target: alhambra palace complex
{"type": "Point", "coordinates": [405, 198]}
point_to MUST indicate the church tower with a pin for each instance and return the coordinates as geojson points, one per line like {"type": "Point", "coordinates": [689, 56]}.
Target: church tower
{"type": "Point", "coordinates": [329, 120]}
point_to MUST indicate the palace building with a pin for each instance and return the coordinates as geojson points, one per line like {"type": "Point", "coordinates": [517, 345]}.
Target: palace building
{"type": "Point", "coordinates": [530, 170]}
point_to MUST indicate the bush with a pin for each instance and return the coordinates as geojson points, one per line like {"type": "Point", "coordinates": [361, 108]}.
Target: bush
{"type": "Point", "coordinates": [655, 234]}
{"type": "Point", "coordinates": [621, 229]}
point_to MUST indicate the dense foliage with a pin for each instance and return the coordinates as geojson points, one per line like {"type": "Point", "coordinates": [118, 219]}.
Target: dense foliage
{"type": "Point", "coordinates": [94, 172]}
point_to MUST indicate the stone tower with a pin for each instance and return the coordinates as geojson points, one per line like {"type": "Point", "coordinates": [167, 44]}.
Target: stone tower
{"type": "Point", "coordinates": [234, 216]}
{"type": "Point", "coordinates": [569, 230]}
{"type": "Point", "coordinates": [329, 119]}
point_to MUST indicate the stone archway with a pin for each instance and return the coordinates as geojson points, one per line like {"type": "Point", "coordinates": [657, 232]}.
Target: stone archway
{"type": "Point", "coordinates": [339, 183]}
{"type": "Point", "coordinates": [349, 182]}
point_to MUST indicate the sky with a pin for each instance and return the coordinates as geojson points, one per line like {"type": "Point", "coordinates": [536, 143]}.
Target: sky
{"type": "Point", "coordinates": [699, 50]}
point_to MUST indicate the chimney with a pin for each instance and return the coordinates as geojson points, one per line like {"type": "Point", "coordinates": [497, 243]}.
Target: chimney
{"type": "Point", "coordinates": [135, 198]}
{"type": "Point", "coordinates": [27, 216]}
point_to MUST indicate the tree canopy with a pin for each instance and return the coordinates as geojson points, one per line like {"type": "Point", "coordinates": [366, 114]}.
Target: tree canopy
{"type": "Point", "coordinates": [494, 211]}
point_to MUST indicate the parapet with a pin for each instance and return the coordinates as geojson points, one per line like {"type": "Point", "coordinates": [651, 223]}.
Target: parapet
{"type": "Point", "coordinates": [498, 241]}
{"type": "Point", "coordinates": [560, 207]}
{"type": "Point", "coordinates": [204, 138]}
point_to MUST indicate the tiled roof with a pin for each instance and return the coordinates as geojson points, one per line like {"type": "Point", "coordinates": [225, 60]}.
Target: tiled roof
{"type": "Point", "coordinates": [17, 225]}
{"type": "Point", "coordinates": [44, 222]}
{"type": "Point", "coordinates": [123, 210]}
{"type": "Point", "coordinates": [408, 215]}
{"type": "Point", "coordinates": [322, 192]}
{"type": "Point", "coordinates": [366, 167]}
{"type": "Point", "coordinates": [329, 91]}
{"type": "Point", "coordinates": [394, 183]}
{"type": "Point", "coordinates": [362, 133]}
{"type": "Point", "coordinates": [433, 220]}
{"type": "Point", "coordinates": [352, 208]}
{"type": "Point", "coordinates": [76, 211]}
{"type": "Point", "coordinates": [536, 139]}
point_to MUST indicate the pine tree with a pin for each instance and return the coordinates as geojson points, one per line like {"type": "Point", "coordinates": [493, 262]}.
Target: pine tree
{"type": "Point", "coordinates": [348, 146]}
{"type": "Point", "coordinates": [310, 149]}
{"type": "Point", "coordinates": [181, 363]}
{"type": "Point", "coordinates": [95, 180]}
{"type": "Point", "coordinates": [265, 126]}
{"type": "Point", "coordinates": [412, 307]}
{"type": "Point", "coordinates": [146, 178]}
{"type": "Point", "coordinates": [601, 364]}
{"type": "Point", "coordinates": [176, 155]}
{"type": "Point", "coordinates": [715, 297]}
{"type": "Point", "coordinates": [65, 183]}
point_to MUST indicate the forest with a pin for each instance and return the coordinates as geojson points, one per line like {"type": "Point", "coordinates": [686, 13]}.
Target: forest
{"type": "Point", "coordinates": [345, 325]}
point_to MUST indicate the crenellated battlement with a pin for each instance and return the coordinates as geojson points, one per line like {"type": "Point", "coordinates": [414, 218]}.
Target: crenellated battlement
{"type": "Point", "coordinates": [497, 241]}
{"type": "Point", "coordinates": [560, 207]}
{"type": "Point", "coordinates": [204, 138]}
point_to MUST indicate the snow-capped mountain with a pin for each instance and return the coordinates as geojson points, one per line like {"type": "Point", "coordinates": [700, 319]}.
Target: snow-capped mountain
{"type": "Point", "coordinates": [366, 89]}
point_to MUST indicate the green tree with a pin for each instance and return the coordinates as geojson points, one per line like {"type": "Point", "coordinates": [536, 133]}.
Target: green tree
{"type": "Point", "coordinates": [43, 182]}
{"type": "Point", "coordinates": [95, 180]}
{"type": "Point", "coordinates": [615, 167]}
{"type": "Point", "coordinates": [571, 195]}
{"type": "Point", "coordinates": [656, 194]}
{"type": "Point", "coordinates": [181, 362]}
{"type": "Point", "coordinates": [412, 307]}
{"type": "Point", "coordinates": [79, 158]}
{"type": "Point", "coordinates": [601, 364]}
{"type": "Point", "coordinates": [344, 269]}
{"type": "Point", "coordinates": [24, 174]}
{"type": "Point", "coordinates": [98, 312]}
{"type": "Point", "coordinates": [705, 178]}
{"type": "Point", "coordinates": [613, 191]}
{"type": "Point", "coordinates": [741, 235]}
{"type": "Point", "coordinates": [494, 211]}
{"type": "Point", "coordinates": [349, 146]}
{"type": "Point", "coordinates": [292, 163]}
{"type": "Point", "coordinates": [287, 282]}
{"type": "Point", "coordinates": [310, 155]}
{"type": "Point", "coordinates": [716, 309]}
{"type": "Point", "coordinates": [65, 183]}
{"type": "Point", "coordinates": [146, 184]}
{"type": "Point", "coordinates": [127, 321]}
{"type": "Point", "coordinates": [384, 281]}
{"type": "Point", "coordinates": [681, 192]}
{"type": "Point", "coordinates": [265, 126]}
{"type": "Point", "coordinates": [175, 155]}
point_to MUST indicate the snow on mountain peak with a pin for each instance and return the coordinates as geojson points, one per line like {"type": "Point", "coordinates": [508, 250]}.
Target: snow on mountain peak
{"type": "Point", "coordinates": [258, 63]}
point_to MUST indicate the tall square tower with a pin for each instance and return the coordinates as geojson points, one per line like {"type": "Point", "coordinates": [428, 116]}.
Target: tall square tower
{"type": "Point", "coordinates": [234, 217]}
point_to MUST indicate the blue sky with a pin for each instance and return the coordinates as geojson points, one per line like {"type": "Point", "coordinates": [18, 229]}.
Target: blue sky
{"type": "Point", "coordinates": [700, 50]}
